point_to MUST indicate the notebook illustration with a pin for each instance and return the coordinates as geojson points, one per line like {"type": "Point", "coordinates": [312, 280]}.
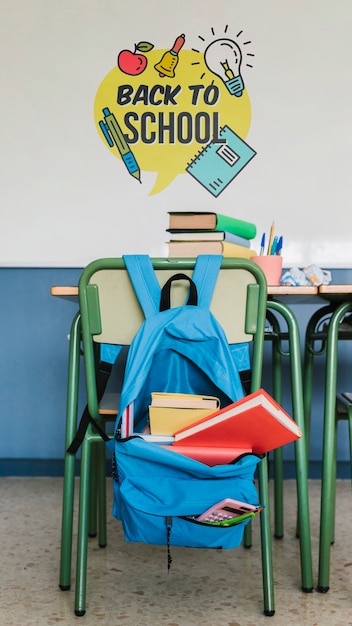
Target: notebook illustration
{"type": "Point", "coordinates": [216, 165]}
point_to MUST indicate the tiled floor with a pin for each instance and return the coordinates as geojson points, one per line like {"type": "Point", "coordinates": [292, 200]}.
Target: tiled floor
{"type": "Point", "coordinates": [128, 584]}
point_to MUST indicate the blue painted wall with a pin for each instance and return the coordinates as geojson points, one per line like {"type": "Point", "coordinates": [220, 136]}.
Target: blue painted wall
{"type": "Point", "coordinates": [33, 372]}
{"type": "Point", "coordinates": [33, 366]}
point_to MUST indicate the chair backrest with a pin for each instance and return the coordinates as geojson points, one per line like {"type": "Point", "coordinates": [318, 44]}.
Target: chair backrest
{"type": "Point", "coordinates": [111, 313]}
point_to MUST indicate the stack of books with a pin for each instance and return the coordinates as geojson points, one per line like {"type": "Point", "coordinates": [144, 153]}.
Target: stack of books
{"type": "Point", "coordinates": [197, 427]}
{"type": "Point", "coordinates": [194, 233]}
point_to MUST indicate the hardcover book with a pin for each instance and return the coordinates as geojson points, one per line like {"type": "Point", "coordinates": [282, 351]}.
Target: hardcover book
{"type": "Point", "coordinates": [184, 400]}
{"type": "Point", "coordinates": [207, 220]}
{"type": "Point", "coordinates": [194, 248]}
{"type": "Point", "coordinates": [171, 411]}
{"type": "Point", "coordinates": [208, 235]}
{"type": "Point", "coordinates": [256, 422]}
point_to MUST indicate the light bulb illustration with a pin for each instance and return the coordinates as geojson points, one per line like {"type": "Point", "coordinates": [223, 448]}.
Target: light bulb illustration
{"type": "Point", "coordinates": [223, 57]}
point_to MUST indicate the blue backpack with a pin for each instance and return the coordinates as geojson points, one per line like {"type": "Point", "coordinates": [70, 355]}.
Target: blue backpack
{"type": "Point", "coordinates": [158, 493]}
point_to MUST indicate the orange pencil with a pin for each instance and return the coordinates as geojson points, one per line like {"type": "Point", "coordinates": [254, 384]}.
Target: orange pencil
{"type": "Point", "coordinates": [271, 236]}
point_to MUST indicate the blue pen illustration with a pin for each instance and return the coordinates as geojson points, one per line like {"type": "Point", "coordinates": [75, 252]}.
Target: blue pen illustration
{"type": "Point", "coordinates": [113, 134]}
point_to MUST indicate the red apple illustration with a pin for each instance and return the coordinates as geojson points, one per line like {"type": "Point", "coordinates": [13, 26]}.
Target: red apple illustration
{"type": "Point", "coordinates": [134, 63]}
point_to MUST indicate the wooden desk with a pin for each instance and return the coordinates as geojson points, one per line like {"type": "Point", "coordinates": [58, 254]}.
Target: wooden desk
{"type": "Point", "coordinates": [336, 293]}
{"type": "Point", "coordinates": [273, 290]}
{"type": "Point", "coordinates": [65, 291]}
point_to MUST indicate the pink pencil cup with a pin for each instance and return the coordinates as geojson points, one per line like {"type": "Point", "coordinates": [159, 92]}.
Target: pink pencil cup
{"type": "Point", "coordinates": [272, 267]}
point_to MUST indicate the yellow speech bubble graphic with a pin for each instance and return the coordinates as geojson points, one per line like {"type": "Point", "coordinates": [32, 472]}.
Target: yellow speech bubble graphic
{"type": "Point", "coordinates": [160, 123]}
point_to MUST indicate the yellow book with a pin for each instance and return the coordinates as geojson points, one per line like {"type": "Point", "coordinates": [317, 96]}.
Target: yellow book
{"type": "Point", "coordinates": [184, 400]}
{"type": "Point", "coordinates": [194, 248]}
{"type": "Point", "coordinates": [234, 250]}
{"type": "Point", "coordinates": [165, 420]}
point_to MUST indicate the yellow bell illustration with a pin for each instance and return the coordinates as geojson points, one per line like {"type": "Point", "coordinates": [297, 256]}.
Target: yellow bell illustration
{"type": "Point", "coordinates": [169, 60]}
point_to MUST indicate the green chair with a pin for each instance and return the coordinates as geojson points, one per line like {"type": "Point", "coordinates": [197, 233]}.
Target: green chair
{"type": "Point", "coordinates": [107, 412]}
{"type": "Point", "coordinates": [111, 314]}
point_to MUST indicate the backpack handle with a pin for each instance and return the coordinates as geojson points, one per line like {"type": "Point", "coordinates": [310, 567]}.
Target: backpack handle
{"type": "Point", "coordinates": [165, 298]}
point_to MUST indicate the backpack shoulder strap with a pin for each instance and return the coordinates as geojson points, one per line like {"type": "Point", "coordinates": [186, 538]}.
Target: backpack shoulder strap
{"type": "Point", "coordinates": [205, 275]}
{"type": "Point", "coordinates": [144, 281]}
{"type": "Point", "coordinates": [147, 288]}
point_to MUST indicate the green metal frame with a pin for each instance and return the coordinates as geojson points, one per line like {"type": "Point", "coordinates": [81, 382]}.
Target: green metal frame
{"type": "Point", "coordinates": [301, 444]}
{"type": "Point", "coordinates": [318, 343]}
{"type": "Point", "coordinates": [328, 488]}
{"type": "Point", "coordinates": [313, 338]}
{"type": "Point", "coordinates": [70, 460]}
{"type": "Point", "coordinates": [276, 336]}
{"type": "Point", "coordinates": [92, 477]}
{"type": "Point", "coordinates": [97, 498]}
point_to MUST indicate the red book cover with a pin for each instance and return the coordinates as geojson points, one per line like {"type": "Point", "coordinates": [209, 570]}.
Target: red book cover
{"type": "Point", "coordinates": [255, 422]}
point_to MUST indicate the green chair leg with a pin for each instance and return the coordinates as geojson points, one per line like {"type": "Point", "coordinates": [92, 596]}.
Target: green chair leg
{"type": "Point", "coordinates": [329, 448]}
{"type": "Point", "coordinates": [69, 463]}
{"type": "Point", "coordinates": [276, 360]}
{"type": "Point", "coordinates": [278, 494]}
{"type": "Point", "coordinates": [265, 531]}
{"type": "Point", "coordinates": [278, 462]}
{"type": "Point", "coordinates": [101, 480]}
{"type": "Point", "coordinates": [93, 494]}
{"type": "Point", "coordinates": [333, 483]}
{"type": "Point", "coordinates": [83, 526]}
{"type": "Point", "coordinates": [300, 445]}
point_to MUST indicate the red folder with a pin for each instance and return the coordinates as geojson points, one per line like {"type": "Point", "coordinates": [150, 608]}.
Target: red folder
{"type": "Point", "coordinates": [210, 455]}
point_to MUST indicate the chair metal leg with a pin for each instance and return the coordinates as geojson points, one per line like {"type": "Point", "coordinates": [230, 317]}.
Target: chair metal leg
{"type": "Point", "coordinates": [350, 435]}
{"type": "Point", "coordinates": [265, 531]}
{"type": "Point", "coordinates": [101, 481]}
{"type": "Point", "coordinates": [329, 444]}
{"type": "Point", "coordinates": [247, 536]}
{"type": "Point", "coordinates": [83, 526]}
{"type": "Point", "coordinates": [276, 360]}
{"type": "Point", "coordinates": [69, 464]}
{"type": "Point", "coordinates": [93, 493]}
{"type": "Point", "coordinates": [97, 493]}
{"type": "Point", "coordinates": [300, 445]}
{"type": "Point", "coordinates": [278, 494]}
{"type": "Point", "coordinates": [333, 483]}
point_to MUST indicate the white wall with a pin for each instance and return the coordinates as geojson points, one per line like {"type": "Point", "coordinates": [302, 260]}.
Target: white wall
{"type": "Point", "coordinates": [65, 199]}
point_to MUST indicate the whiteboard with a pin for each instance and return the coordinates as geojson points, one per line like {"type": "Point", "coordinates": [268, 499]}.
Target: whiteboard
{"type": "Point", "coordinates": [66, 199]}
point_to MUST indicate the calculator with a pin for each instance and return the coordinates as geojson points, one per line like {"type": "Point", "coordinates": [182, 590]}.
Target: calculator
{"type": "Point", "coordinates": [228, 509]}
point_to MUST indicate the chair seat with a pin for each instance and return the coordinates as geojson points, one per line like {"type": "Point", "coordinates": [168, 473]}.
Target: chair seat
{"type": "Point", "coordinates": [109, 403]}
